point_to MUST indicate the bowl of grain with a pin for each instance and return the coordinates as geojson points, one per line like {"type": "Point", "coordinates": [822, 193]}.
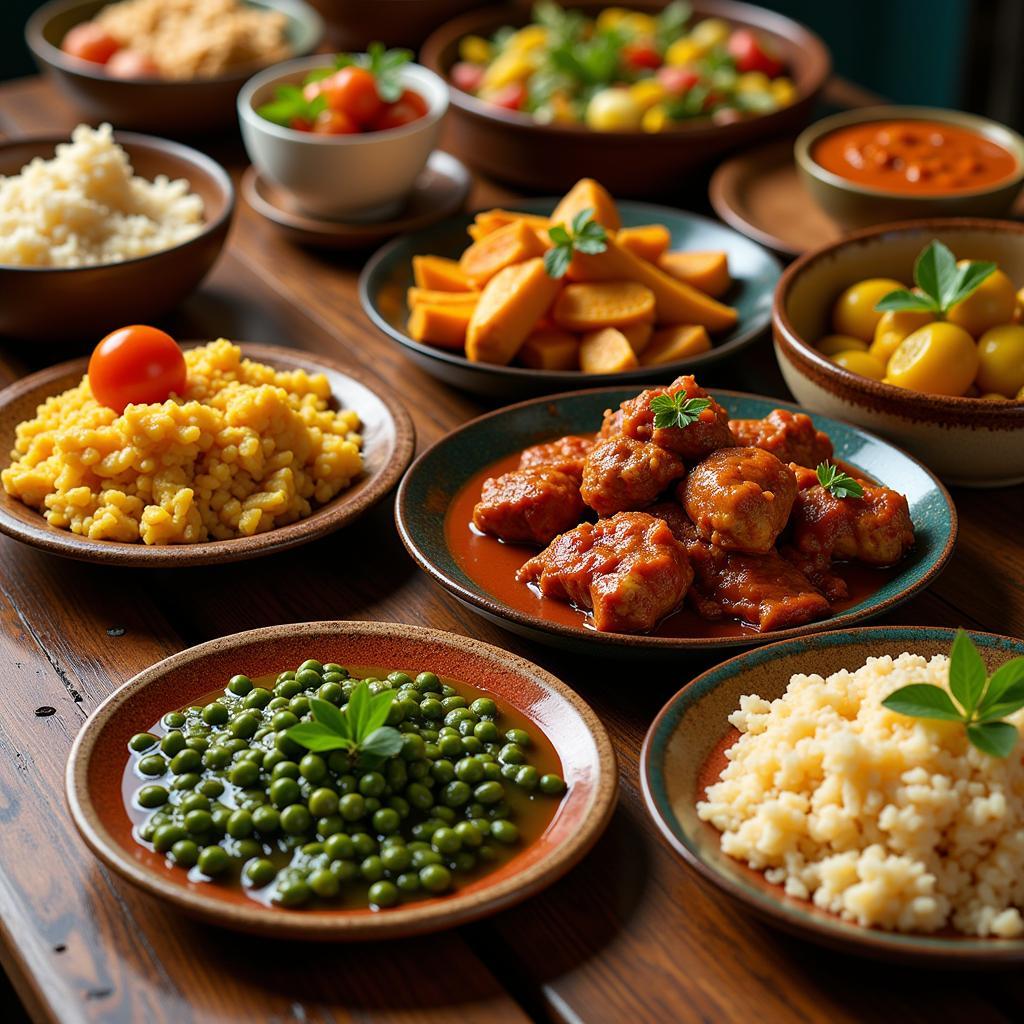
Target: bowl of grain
{"type": "Point", "coordinates": [105, 229]}
{"type": "Point", "coordinates": [173, 66]}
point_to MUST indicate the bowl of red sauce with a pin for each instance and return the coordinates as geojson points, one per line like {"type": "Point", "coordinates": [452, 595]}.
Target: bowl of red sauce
{"type": "Point", "coordinates": [882, 164]}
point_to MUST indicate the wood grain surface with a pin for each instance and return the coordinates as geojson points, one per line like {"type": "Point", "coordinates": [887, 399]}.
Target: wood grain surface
{"type": "Point", "coordinates": [630, 936]}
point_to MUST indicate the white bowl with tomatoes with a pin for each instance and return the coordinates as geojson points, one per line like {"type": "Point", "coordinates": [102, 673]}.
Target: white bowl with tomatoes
{"type": "Point", "coordinates": [347, 136]}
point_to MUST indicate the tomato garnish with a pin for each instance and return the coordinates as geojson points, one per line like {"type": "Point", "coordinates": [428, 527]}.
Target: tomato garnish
{"type": "Point", "coordinates": [512, 97]}
{"type": "Point", "coordinates": [750, 55]}
{"type": "Point", "coordinates": [88, 41]}
{"type": "Point", "coordinates": [136, 365]}
{"type": "Point", "coordinates": [408, 108]}
{"type": "Point", "coordinates": [334, 122]}
{"type": "Point", "coordinates": [677, 81]}
{"type": "Point", "coordinates": [467, 77]}
{"type": "Point", "coordinates": [640, 55]}
{"type": "Point", "coordinates": [353, 91]}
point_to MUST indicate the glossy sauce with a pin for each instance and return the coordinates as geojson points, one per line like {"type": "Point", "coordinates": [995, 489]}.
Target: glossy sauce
{"type": "Point", "coordinates": [531, 812]}
{"type": "Point", "coordinates": [492, 565]}
{"type": "Point", "coordinates": [914, 157]}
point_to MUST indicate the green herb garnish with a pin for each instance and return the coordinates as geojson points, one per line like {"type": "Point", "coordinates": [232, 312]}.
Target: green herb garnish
{"type": "Point", "coordinates": [981, 700]}
{"type": "Point", "coordinates": [385, 65]}
{"type": "Point", "coordinates": [671, 21]}
{"type": "Point", "coordinates": [359, 730]}
{"type": "Point", "coordinates": [677, 410]}
{"type": "Point", "coordinates": [583, 235]}
{"type": "Point", "coordinates": [834, 480]}
{"type": "Point", "coordinates": [941, 284]}
{"type": "Point", "coordinates": [290, 103]}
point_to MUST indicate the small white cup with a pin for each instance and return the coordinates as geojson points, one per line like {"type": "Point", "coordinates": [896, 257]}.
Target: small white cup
{"type": "Point", "coordinates": [364, 177]}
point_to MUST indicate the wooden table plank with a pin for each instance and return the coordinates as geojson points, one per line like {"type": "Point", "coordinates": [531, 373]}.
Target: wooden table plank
{"type": "Point", "coordinates": [630, 935]}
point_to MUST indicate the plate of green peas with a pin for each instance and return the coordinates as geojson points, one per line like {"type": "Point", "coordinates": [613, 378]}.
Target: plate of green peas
{"type": "Point", "coordinates": [342, 780]}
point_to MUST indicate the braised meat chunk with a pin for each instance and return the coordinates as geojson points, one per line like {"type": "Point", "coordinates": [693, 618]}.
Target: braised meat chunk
{"type": "Point", "coordinates": [739, 498]}
{"type": "Point", "coordinates": [789, 436]}
{"type": "Point", "coordinates": [629, 570]}
{"type": "Point", "coordinates": [621, 474]}
{"type": "Point", "coordinates": [708, 432]}
{"type": "Point", "coordinates": [529, 506]}
{"type": "Point", "coordinates": [566, 455]}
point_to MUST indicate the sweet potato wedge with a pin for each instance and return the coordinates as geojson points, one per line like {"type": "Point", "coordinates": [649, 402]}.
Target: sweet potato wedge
{"type": "Point", "coordinates": [444, 326]}
{"type": "Point", "coordinates": [513, 243]}
{"type": "Point", "coordinates": [432, 297]}
{"type": "Point", "coordinates": [671, 344]}
{"type": "Point", "coordinates": [551, 350]}
{"type": "Point", "coordinates": [488, 221]}
{"type": "Point", "coordinates": [606, 351]}
{"type": "Point", "coordinates": [440, 274]}
{"type": "Point", "coordinates": [650, 241]}
{"type": "Point", "coordinates": [708, 271]}
{"type": "Point", "coordinates": [638, 336]}
{"type": "Point", "coordinates": [510, 306]}
{"type": "Point", "coordinates": [675, 302]}
{"type": "Point", "coordinates": [587, 194]}
{"type": "Point", "coordinates": [589, 307]}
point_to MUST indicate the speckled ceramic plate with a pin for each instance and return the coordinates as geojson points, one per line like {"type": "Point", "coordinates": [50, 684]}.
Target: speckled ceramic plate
{"type": "Point", "coordinates": [438, 475]}
{"type": "Point", "coordinates": [384, 281]}
{"type": "Point", "coordinates": [97, 762]}
{"type": "Point", "coordinates": [389, 441]}
{"type": "Point", "coordinates": [693, 724]}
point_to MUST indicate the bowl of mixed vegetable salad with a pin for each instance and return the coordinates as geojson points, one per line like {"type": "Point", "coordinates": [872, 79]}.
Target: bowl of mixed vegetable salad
{"type": "Point", "coordinates": [543, 93]}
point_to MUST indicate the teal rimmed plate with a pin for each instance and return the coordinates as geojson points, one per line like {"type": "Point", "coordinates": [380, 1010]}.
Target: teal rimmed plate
{"type": "Point", "coordinates": [383, 284]}
{"type": "Point", "coordinates": [437, 476]}
{"type": "Point", "coordinates": [688, 733]}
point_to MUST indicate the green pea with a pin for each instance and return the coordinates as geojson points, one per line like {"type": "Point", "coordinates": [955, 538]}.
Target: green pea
{"type": "Point", "coordinates": [198, 822]}
{"type": "Point", "coordinates": [234, 744]}
{"type": "Point", "coordinates": [142, 741]}
{"type": "Point", "coordinates": [244, 725]}
{"type": "Point", "coordinates": [284, 792]}
{"type": "Point", "coordinates": [339, 847]}
{"type": "Point", "coordinates": [285, 770]}
{"type": "Point", "coordinates": [215, 713]}
{"type": "Point", "coordinates": [187, 781]}
{"type": "Point", "coordinates": [334, 668]}
{"type": "Point", "coordinates": [504, 831]}
{"type": "Point", "coordinates": [427, 682]}
{"type": "Point", "coordinates": [240, 685]}
{"type": "Point", "coordinates": [288, 688]}
{"type": "Point", "coordinates": [485, 732]}
{"type": "Point", "coordinates": [296, 820]}
{"type": "Point", "coordinates": [450, 746]}
{"type": "Point", "coordinates": [220, 815]}
{"type": "Point", "coordinates": [184, 853]}
{"type": "Point", "coordinates": [260, 872]}
{"type": "Point", "coordinates": [173, 720]}
{"type": "Point", "coordinates": [489, 792]}
{"type": "Point", "coordinates": [419, 796]}
{"type": "Point", "coordinates": [277, 704]}
{"type": "Point", "coordinates": [431, 709]}
{"type": "Point", "coordinates": [310, 665]}
{"type": "Point", "coordinates": [511, 753]}
{"type": "Point", "coordinates": [492, 771]}
{"type": "Point", "coordinates": [323, 802]}
{"type": "Point", "coordinates": [510, 771]}
{"type": "Point", "coordinates": [309, 679]}
{"type": "Point", "coordinates": [386, 821]}
{"type": "Point", "coordinates": [299, 706]}
{"type": "Point", "coordinates": [332, 693]}
{"type": "Point", "coordinates": [266, 819]}
{"type": "Point", "coordinates": [213, 860]}
{"type": "Point", "coordinates": [413, 747]}
{"type": "Point", "coordinates": [435, 878]}
{"type": "Point", "coordinates": [211, 787]}
{"type": "Point", "coordinates": [408, 881]}
{"type": "Point", "coordinates": [244, 774]}
{"type": "Point", "coordinates": [396, 858]}
{"type": "Point", "coordinates": [469, 769]}
{"type": "Point", "coordinates": [153, 765]}
{"type": "Point", "coordinates": [173, 742]}
{"type": "Point", "coordinates": [240, 825]}
{"type": "Point", "coordinates": [455, 794]}
{"type": "Point", "coordinates": [372, 784]}
{"type": "Point", "coordinates": [151, 796]}
{"type": "Point", "coordinates": [352, 806]}
{"type": "Point", "coordinates": [166, 836]}
{"type": "Point", "coordinates": [487, 853]}
{"type": "Point", "coordinates": [442, 771]}
{"type": "Point", "coordinates": [246, 849]}
{"type": "Point", "coordinates": [292, 892]}
{"type": "Point", "coordinates": [383, 894]}
{"type": "Point", "coordinates": [469, 834]}
{"type": "Point", "coordinates": [552, 785]}
{"type": "Point", "coordinates": [329, 825]}
{"type": "Point", "coordinates": [324, 883]}
{"type": "Point", "coordinates": [372, 868]}
{"type": "Point", "coordinates": [363, 844]}
{"type": "Point", "coordinates": [194, 802]}
{"type": "Point", "coordinates": [344, 870]}
{"type": "Point", "coordinates": [313, 767]}
{"type": "Point", "coordinates": [216, 758]}
{"type": "Point", "coordinates": [198, 743]}
{"type": "Point", "coordinates": [464, 860]}
{"type": "Point", "coordinates": [446, 841]}
{"type": "Point", "coordinates": [397, 774]}
{"type": "Point", "coordinates": [484, 707]}
{"type": "Point", "coordinates": [400, 805]}
{"type": "Point", "coordinates": [445, 814]}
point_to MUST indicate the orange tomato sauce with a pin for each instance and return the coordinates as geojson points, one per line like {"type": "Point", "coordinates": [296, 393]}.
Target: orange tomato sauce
{"type": "Point", "coordinates": [919, 157]}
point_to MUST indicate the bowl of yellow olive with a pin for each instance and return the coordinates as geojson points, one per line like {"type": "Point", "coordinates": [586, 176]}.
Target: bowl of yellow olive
{"type": "Point", "coordinates": [915, 331]}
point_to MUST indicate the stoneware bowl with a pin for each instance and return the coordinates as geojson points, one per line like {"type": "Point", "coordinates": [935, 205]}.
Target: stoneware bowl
{"type": "Point", "coordinates": [98, 759]}
{"type": "Point", "coordinates": [366, 176]}
{"type": "Point", "coordinates": [856, 206]}
{"type": "Point", "coordinates": [52, 304]}
{"type": "Point", "coordinates": [512, 147]}
{"type": "Point", "coordinates": [173, 107]}
{"type": "Point", "coordinates": [682, 753]}
{"type": "Point", "coordinates": [965, 440]}
{"type": "Point", "coordinates": [438, 476]}
{"type": "Point", "coordinates": [388, 444]}
{"type": "Point", "coordinates": [388, 275]}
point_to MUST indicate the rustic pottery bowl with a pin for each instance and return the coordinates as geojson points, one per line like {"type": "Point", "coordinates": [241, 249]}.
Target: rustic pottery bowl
{"type": "Point", "coordinates": [354, 24]}
{"type": "Point", "coordinates": [98, 759]}
{"type": "Point", "coordinates": [388, 275]}
{"type": "Point", "coordinates": [680, 756]}
{"type": "Point", "coordinates": [173, 107]}
{"type": "Point", "coordinates": [388, 445]}
{"type": "Point", "coordinates": [513, 148]}
{"type": "Point", "coordinates": [856, 206]}
{"type": "Point", "coordinates": [366, 176]}
{"type": "Point", "coordinates": [965, 440]}
{"type": "Point", "coordinates": [55, 304]}
{"type": "Point", "coordinates": [436, 478]}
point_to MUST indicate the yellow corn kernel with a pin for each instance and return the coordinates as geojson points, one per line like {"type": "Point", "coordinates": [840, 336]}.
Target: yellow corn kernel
{"type": "Point", "coordinates": [709, 33]}
{"type": "Point", "coordinates": [532, 37]}
{"type": "Point", "coordinates": [784, 91]}
{"type": "Point", "coordinates": [475, 49]}
{"type": "Point", "coordinates": [637, 24]}
{"type": "Point", "coordinates": [611, 18]}
{"type": "Point", "coordinates": [562, 110]}
{"type": "Point", "coordinates": [647, 92]}
{"type": "Point", "coordinates": [509, 67]}
{"type": "Point", "coordinates": [753, 81]}
{"type": "Point", "coordinates": [682, 52]}
{"type": "Point", "coordinates": [655, 119]}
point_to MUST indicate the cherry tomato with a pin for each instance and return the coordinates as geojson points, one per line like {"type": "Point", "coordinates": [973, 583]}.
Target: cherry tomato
{"type": "Point", "coordinates": [750, 55]}
{"type": "Point", "coordinates": [676, 81]}
{"type": "Point", "coordinates": [640, 55]}
{"type": "Point", "coordinates": [131, 64]}
{"type": "Point", "coordinates": [415, 100]}
{"type": "Point", "coordinates": [300, 124]}
{"type": "Point", "coordinates": [353, 91]}
{"type": "Point", "coordinates": [89, 41]}
{"type": "Point", "coordinates": [136, 365]}
{"type": "Point", "coordinates": [467, 77]}
{"type": "Point", "coordinates": [335, 122]}
{"type": "Point", "coordinates": [512, 97]}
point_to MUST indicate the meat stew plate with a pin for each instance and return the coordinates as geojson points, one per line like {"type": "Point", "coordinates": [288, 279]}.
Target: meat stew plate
{"type": "Point", "coordinates": [436, 499]}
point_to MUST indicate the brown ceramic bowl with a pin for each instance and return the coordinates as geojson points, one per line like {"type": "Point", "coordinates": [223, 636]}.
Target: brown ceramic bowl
{"type": "Point", "coordinates": [965, 440]}
{"type": "Point", "coordinates": [169, 106]}
{"type": "Point", "coordinates": [683, 752]}
{"type": "Point", "coordinates": [354, 24]}
{"type": "Point", "coordinates": [388, 444]}
{"type": "Point", "coordinates": [98, 759]}
{"type": "Point", "coordinates": [50, 304]}
{"type": "Point", "coordinates": [513, 148]}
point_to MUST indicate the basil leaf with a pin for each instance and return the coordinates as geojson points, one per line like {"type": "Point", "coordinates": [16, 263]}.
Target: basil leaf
{"type": "Point", "coordinates": [969, 277]}
{"type": "Point", "coordinates": [557, 260]}
{"type": "Point", "coordinates": [580, 221]}
{"type": "Point", "coordinates": [590, 246]}
{"type": "Point", "coordinates": [997, 739]}
{"type": "Point", "coordinates": [901, 300]}
{"type": "Point", "coordinates": [380, 705]}
{"type": "Point", "coordinates": [559, 235]}
{"type": "Point", "coordinates": [922, 700]}
{"type": "Point", "coordinates": [935, 271]}
{"type": "Point", "coordinates": [358, 710]}
{"type": "Point", "coordinates": [967, 675]}
{"type": "Point", "coordinates": [327, 715]}
{"type": "Point", "coordinates": [317, 738]}
{"type": "Point", "coordinates": [1005, 684]}
{"type": "Point", "coordinates": [382, 742]}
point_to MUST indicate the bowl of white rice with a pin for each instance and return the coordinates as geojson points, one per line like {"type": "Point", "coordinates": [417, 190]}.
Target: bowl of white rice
{"type": "Point", "coordinates": [103, 229]}
{"type": "Point", "coordinates": [781, 778]}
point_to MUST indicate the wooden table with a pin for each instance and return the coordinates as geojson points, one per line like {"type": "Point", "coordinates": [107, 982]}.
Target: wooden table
{"type": "Point", "coordinates": [629, 936]}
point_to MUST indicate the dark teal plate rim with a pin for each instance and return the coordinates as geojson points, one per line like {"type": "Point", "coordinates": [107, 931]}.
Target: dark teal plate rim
{"type": "Point", "coordinates": [932, 508]}
{"type": "Point", "coordinates": [394, 259]}
{"type": "Point", "coordinates": [973, 952]}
